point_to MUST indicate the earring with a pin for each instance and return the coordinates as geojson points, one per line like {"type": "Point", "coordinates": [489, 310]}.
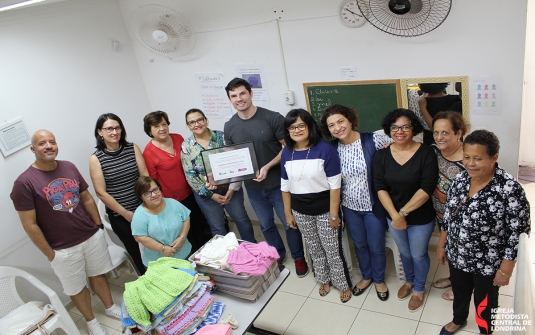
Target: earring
{"type": "Point", "coordinates": [102, 138]}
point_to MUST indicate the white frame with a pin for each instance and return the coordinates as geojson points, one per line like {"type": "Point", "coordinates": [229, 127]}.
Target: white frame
{"type": "Point", "coordinates": [4, 128]}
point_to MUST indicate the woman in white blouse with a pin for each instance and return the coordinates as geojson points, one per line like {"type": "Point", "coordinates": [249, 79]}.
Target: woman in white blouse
{"type": "Point", "coordinates": [362, 211]}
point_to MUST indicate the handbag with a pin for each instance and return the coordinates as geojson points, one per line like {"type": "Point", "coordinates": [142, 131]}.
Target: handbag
{"type": "Point", "coordinates": [26, 319]}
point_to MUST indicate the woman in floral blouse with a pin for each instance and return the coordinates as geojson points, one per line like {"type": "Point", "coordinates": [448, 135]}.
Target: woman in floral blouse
{"type": "Point", "coordinates": [212, 202]}
{"type": "Point", "coordinates": [486, 211]}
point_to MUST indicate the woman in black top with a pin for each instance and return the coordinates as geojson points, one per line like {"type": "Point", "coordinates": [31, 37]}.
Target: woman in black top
{"type": "Point", "coordinates": [486, 211]}
{"type": "Point", "coordinates": [434, 100]}
{"type": "Point", "coordinates": [114, 168]}
{"type": "Point", "coordinates": [405, 176]}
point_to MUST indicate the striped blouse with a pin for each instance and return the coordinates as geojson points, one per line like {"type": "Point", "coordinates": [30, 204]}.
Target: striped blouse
{"type": "Point", "coordinates": [120, 174]}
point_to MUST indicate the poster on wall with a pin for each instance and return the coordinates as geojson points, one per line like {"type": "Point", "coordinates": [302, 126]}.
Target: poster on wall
{"type": "Point", "coordinates": [255, 76]}
{"type": "Point", "coordinates": [486, 95]}
{"type": "Point", "coordinates": [215, 103]}
{"type": "Point", "coordinates": [13, 137]}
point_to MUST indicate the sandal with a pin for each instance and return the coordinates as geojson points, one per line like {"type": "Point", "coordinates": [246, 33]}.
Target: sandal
{"type": "Point", "coordinates": [345, 295]}
{"type": "Point", "coordinates": [448, 295]}
{"type": "Point", "coordinates": [324, 289]}
{"type": "Point", "coordinates": [442, 283]}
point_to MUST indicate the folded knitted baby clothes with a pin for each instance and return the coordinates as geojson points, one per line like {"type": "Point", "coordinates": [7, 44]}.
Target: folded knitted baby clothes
{"type": "Point", "coordinates": [253, 259]}
{"type": "Point", "coordinates": [157, 288]}
{"type": "Point", "coordinates": [215, 252]}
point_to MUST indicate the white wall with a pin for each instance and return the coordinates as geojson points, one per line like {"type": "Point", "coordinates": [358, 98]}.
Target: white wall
{"type": "Point", "coordinates": [316, 45]}
{"type": "Point", "coordinates": [58, 72]}
{"type": "Point", "coordinates": [527, 152]}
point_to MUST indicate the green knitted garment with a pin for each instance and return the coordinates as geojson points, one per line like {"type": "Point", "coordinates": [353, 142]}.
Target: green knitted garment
{"type": "Point", "coordinates": [157, 288]}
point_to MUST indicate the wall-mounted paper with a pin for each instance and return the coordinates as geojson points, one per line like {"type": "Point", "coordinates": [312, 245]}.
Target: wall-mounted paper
{"type": "Point", "coordinates": [215, 103]}
{"type": "Point", "coordinates": [486, 95]}
{"type": "Point", "coordinates": [13, 137]}
{"type": "Point", "coordinates": [254, 75]}
{"type": "Point", "coordinates": [348, 73]}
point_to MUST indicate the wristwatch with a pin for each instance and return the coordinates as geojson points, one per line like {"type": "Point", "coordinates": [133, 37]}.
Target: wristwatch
{"type": "Point", "coordinates": [334, 218]}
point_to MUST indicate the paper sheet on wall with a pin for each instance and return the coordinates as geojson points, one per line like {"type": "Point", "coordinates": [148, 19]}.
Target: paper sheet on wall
{"type": "Point", "coordinates": [348, 73]}
{"type": "Point", "coordinates": [254, 75]}
{"type": "Point", "coordinates": [215, 103]}
{"type": "Point", "coordinates": [486, 95]}
{"type": "Point", "coordinates": [13, 137]}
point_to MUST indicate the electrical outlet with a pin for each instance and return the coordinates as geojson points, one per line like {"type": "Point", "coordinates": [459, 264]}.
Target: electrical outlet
{"type": "Point", "coordinates": [289, 97]}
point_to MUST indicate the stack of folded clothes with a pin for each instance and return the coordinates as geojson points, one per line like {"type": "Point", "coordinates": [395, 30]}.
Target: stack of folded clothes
{"type": "Point", "coordinates": [168, 299]}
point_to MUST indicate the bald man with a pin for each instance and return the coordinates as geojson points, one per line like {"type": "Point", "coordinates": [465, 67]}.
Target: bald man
{"type": "Point", "coordinates": [61, 218]}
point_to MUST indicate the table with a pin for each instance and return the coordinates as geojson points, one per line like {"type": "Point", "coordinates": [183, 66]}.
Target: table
{"type": "Point", "coordinates": [246, 312]}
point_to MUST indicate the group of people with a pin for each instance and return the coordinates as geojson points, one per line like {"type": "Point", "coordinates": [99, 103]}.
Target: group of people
{"type": "Point", "coordinates": [366, 182]}
{"type": "Point", "coordinates": [393, 182]}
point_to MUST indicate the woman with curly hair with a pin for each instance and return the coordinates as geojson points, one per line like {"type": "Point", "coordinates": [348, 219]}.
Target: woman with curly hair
{"type": "Point", "coordinates": [405, 176]}
{"type": "Point", "coordinates": [364, 214]}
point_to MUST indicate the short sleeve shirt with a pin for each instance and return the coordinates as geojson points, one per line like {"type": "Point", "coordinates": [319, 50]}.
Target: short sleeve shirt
{"type": "Point", "coordinates": [55, 197]}
{"type": "Point", "coordinates": [265, 128]}
{"type": "Point", "coordinates": [164, 227]}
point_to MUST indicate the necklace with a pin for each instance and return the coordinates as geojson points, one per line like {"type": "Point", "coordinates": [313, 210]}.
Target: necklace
{"type": "Point", "coordinates": [169, 149]}
{"type": "Point", "coordinates": [302, 170]}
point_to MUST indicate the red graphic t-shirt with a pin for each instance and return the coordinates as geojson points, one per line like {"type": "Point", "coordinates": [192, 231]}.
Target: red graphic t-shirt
{"type": "Point", "coordinates": [55, 197]}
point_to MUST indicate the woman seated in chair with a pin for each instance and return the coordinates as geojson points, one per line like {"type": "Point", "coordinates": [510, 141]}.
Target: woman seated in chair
{"type": "Point", "coordinates": [160, 224]}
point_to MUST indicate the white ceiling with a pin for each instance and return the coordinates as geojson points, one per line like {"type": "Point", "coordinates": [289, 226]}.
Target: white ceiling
{"type": "Point", "coordinates": [11, 2]}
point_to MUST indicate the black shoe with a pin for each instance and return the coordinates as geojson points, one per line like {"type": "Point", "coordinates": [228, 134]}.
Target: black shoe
{"type": "Point", "coordinates": [383, 296]}
{"type": "Point", "coordinates": [443, 331]}
{"type": "Point", "coordinates": [358, 291]}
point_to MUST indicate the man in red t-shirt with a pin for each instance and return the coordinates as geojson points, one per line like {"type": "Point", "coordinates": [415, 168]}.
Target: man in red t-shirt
{"type": "Point", "coordinates": [61, 218]}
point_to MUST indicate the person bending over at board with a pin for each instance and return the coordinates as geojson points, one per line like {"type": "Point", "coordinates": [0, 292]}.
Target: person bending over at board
{"type": "Point", "coordinates": [61, 218]}
{"type": "Point", "coordinates": [266, 129]}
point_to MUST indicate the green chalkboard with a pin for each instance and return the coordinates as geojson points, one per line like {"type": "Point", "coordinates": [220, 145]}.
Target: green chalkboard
{"type": "Point", "coordinates": [372, 99]}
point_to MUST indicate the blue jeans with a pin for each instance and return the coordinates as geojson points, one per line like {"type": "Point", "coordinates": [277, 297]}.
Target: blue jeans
{"type": "Point", "coordinates": [215, 214]}
{"type": "Point", "coordinates": [263, 202]}
{"type": "Point", "coordinates": [413, 244]}
{"type": "Point", "coordinates": [368, 234]}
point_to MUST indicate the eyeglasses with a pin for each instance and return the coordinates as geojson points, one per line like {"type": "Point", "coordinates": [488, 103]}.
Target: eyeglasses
{"type": "Point", "coordinates": [194, 122]}
{"type": "Point", "coordinates": [110, 130]}
{"type": "Point", "coordinates": [300, 126]}
{"type": "Point", "coordinates": [150, 193]}
{"type": "Point", "coordinates": [405, 128]}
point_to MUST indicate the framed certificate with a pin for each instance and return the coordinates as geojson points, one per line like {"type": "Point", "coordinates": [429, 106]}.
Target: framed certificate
{"type": "Point", "coordinates": [231, 163]}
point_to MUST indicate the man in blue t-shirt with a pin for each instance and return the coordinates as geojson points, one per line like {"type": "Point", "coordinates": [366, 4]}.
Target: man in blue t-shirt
{"type": "Point", "coordinates": [61, 218]}
{"type": "Point", "coordinates": [266, 129]}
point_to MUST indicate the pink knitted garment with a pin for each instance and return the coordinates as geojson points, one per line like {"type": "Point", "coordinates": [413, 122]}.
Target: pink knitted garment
{"type": "Point", "coordinates": [253, 259]}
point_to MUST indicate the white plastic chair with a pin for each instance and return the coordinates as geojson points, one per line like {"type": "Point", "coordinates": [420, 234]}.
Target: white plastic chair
{"type": "Point", "coordinates": [10, 300]}
{"type": "Point", "coordinates": [391, 244]}
{"type": "Point", "coordinates": [118, 254]}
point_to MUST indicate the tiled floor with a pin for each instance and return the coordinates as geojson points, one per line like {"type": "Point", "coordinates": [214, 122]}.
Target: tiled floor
{"type": "Point", "coordinates": [298, 309]}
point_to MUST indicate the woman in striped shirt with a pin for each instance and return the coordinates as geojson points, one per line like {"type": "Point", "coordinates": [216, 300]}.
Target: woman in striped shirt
{"type": "Point", "coordinates": [114, 168]}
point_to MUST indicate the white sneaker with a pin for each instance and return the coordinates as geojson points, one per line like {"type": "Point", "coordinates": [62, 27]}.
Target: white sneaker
{"type": "Point", "coordinates": [114, 312]}
{"type": "Point", "coordinates": [94, 328]}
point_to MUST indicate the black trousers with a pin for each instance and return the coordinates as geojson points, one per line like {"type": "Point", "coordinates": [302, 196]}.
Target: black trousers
{"type": "Point", "coordinates": [485, 298]}
{"type": "Point", "coordinates": [199, 231]}
{"type": "Point", "coordinates": [122, 228]}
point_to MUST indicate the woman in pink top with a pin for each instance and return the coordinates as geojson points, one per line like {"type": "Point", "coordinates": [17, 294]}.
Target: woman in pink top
{"type": "Point", "coordinates": [162, 156]}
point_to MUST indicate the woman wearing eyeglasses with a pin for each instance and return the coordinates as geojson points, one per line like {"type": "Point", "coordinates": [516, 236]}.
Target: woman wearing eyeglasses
{"type": "Point", "coordinates": [405, 176]}
{"type": "Point", "coordinates": [160, 224]}
{"type": "Point", "coordinates": [114, 169]}
{"type": "Point", "coordinates": [310, 183]}
{"type": "Point", "coordinates": [364, 214]}
{"type": "Point", "coordinates": [213, 202]}
{"type": "Point", "coordinates": [162, 155]}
